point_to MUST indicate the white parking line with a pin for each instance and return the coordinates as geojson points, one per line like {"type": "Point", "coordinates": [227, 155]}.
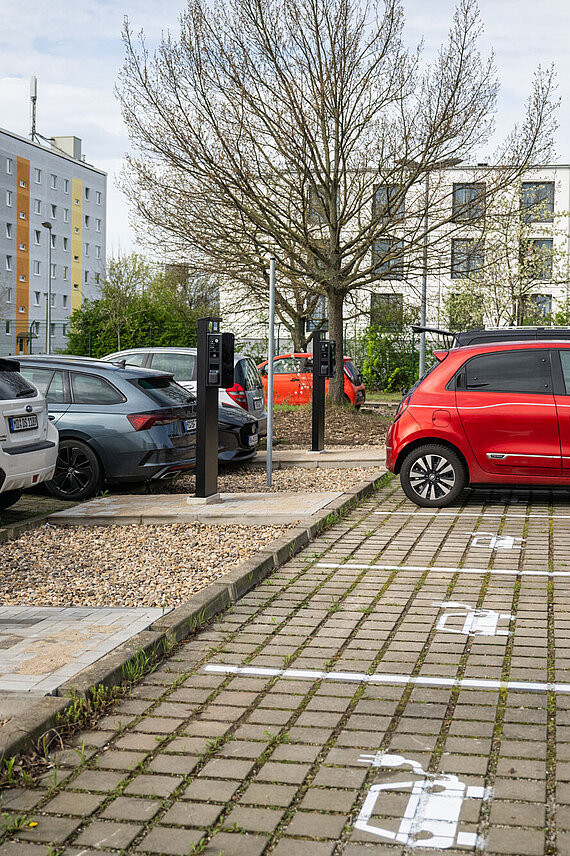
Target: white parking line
{"type": "Point", "coordinates": [362, 677]}
{"type": "Point", "coordinates": [532, 516]}
{"type": "Point", "coordinates": [353, 566]}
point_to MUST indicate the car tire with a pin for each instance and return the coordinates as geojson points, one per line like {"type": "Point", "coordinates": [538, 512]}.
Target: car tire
{"type": "Point", "coordinates": [78, 474]}
{"type": "Point", "coordinates": [8, 498]}
{"type": "Point", "coordinates": [433, 476]}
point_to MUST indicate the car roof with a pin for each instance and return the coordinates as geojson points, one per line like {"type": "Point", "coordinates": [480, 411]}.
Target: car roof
{"type": "Point", "coordinates": [70, 361]}
{"type": "Point", "coordinates": [491, 347]}
{"type": "Point", "coordinates": [511, 334]}
{"type": "Point", "coordinates": [281, 356]}
{"type": "Point", "coordinates": [172, 349]}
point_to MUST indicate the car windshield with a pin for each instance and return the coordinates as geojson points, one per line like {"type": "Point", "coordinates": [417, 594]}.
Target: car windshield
{"type": "Point", "coordinates": [13, 385]}
{"type": "Point", "coordinates": [164, 390]}
{"type": "Point", "coordinates": [352, 373]}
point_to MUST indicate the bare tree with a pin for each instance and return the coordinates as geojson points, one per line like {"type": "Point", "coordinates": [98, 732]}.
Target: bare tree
{"type": "Point", "coordinates": [298, 127]}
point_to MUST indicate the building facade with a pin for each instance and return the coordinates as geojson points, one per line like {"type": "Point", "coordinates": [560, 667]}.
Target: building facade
{"type": "Point", "coordinates": [52, 240]}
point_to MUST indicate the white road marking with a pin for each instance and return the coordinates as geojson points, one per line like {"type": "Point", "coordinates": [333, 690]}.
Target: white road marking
{"type": "Point", "coordinates": [387, 678]}
{"type": "Point", "coordinates": [477, 622]}
{"type": "Point", "coordinates": [532, 516]}
{"type": "Point", "coordinates": [353, 566]}
{"type": "Point", "coordinates": [488, 541]}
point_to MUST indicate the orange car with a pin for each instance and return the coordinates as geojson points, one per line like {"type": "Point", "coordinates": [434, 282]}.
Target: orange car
{"type": "Point", "coordinates": [293, 380]}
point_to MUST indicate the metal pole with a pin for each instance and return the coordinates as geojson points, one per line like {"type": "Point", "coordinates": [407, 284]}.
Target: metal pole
{"type": "Point", "coordinates": [423, 311]}
{"type": "Point", "coordinates": [271, 356]}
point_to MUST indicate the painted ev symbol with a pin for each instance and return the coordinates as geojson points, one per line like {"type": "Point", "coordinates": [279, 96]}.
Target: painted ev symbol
{"type": "Point", "coordinates": [431, 816]}
{"type": "Point", "coordinates": [478, 622]}
{"type": "Point", "coordinates": [496, 542]}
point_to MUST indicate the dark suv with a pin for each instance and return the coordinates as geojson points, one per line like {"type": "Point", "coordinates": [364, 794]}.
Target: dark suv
{"type": "Point", "coordinates": [115, 424]}
{"type": "Point", "coordinates": [494, 412]}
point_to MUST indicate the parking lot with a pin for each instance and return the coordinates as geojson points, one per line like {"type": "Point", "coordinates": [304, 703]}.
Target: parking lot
{"type": "Point", "coordinates": [402, 685]}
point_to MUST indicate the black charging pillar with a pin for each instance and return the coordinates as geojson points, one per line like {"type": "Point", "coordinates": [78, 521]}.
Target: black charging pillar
{"type": "Point", "coordinates": [323, 367]}
{"type": "Point", "coordinates": [215, 369]}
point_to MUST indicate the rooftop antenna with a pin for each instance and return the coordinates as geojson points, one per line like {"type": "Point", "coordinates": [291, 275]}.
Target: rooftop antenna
{"type": "Point", "coordinates": [33, 99]}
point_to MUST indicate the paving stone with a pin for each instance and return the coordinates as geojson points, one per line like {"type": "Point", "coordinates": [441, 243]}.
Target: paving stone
{"type": "Point", "coordinates": [514, 840]}
{"type": "Point", "coordinates": [113, 759]}
{"type": "Point", "coordinates": [254, 819]}
{"type": "Point", "coordinates": [173, 764]}
{"type": "Point", "coordinates": [296, 847]}
{"type": "Point", "coordinates": [316, 825]}
{"type": "Point", "coordinates": [165, 840]}
{"type": "Point", "coordinates": [226, 768]}
{"type": "Point", "coordinates": [328, 799]}
{"type": "Point", "coordinates": [19, 799]}
{"type": "Point", "coordinates": [158, 725]}
{"type": "Point", "coordinates": [211, 789]}
{"type": "Point", "coordinates": [130, 808]}
{"type": "Point", "coordinates": [272, 771]}
{"type": "Point", "coordinates": [97, 780]}
{"type": "Point", "coordinates": [158, 786]}
{"type": "Point", "coordinates": [19, 848]}
{"type": "Point", "coordinates": [235, 844]}
{"type": "Point", "coordinates": [264, 794]}
{"type": "Point", "coordinates": [106, 833]}
{"type": "Point", "coordinates": [517, 814]}
{"type": "Point", "coordinates": [78, 804]}
{"type": "Point", "coordinates": [50, 829]}
{"type": "Point", "coordinates": [191, 814]}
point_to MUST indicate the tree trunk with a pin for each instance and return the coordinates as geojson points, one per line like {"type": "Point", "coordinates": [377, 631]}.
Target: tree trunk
{"type": "Point", "coordinates": [299, 339]}
{"type": "Point", "coordinates": [335, 307]}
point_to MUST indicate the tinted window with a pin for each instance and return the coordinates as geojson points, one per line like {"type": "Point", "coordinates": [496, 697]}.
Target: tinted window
{"type": "Point", "coordinates": [288, 365]}
{"type": "Point", "coordinates": [565, 360]}
{"type": "Point", "coordinates": [14, 385]}
{"type": "Point", "coordinates": [132, 359]}
{"type": "Point", "coordinates": [49, 382]}
{"type": "Point", "coordinates": [182, 366]}
{"type": "Point", "coordinates": [92, 389]}
{"type": "Point", "coordinates": [510, 371]}
{"type": "Point", "coordinates": [350, 370]}
{"type": "Point", "coordinates": [246, 374]}
{"type": "Point", "coordinates": [164, 391]}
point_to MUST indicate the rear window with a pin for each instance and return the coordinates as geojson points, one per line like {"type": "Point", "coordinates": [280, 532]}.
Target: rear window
{"type": "Point", "coordinates": [14, 385]}
{"type": "Point", "coordinates": [351, 371]}
{"type": "Point", "coordinates": [247, 375]}
{"type": "Point", "coordinates": [164, 391]}
{"type": "Point", "coordinates": [181, 366]}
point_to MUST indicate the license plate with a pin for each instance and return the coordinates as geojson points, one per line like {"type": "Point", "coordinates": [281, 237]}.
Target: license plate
{"type": "Point", "coordinates": [22, 423]}
{"type": "Point", "coordinates": [253, 439]}
{"type": "Point", "coordinates": [257, 403]}
{"type": "Point", "coordinates": [189, 424]}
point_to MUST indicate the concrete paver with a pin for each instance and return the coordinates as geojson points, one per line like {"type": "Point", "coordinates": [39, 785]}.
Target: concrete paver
{"type": "Point", "coordinates": [397, 687]}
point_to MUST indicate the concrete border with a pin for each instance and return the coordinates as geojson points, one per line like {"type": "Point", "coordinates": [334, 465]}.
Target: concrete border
{"type": "Point", "coordinates": [19, 736]}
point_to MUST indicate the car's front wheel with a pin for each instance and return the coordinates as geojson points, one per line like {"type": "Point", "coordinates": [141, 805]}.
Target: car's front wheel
{"type": "Point", "coordinates": [78, 473]}
{"type": "Point", "coordinates": [433, 476]}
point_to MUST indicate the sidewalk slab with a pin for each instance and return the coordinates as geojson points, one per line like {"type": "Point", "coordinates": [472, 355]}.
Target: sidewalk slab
{"type": "Point", "coordinates": [253, 509]}
{"type": "Point", "coordinates": [334, 457]}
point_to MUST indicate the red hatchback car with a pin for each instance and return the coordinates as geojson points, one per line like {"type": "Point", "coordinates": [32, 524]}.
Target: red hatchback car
{"type": "Point", "coordinates": [293, 380]}
{"type": "Point", "coordinates": [485, 414]}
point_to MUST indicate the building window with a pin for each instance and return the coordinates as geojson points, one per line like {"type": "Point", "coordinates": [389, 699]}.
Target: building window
{"type": "Point", "coordinates": [8, 262]}
{"type": "Point", "coordinates": [37, 206]}
{"type": "Point", "coordinates": [98, 197]}
{"type": "Point", "coordinates": [8, 325]}
{"type": "Point", "coordinates": [387, 310]}
{"type": "Point", "coordinates": [36, 298]}
{"type": "Point", "coordinates": [53, 181]}
{"type": "Point", "coordinates": [23, 247]}
{"type": "Point", "coordinates": [66, 185]}
{"type": "Point", "coordinates": [86, 276]}
{"type": "Point", "coordinates": [468, 202]}
{"type": "Point", "coordinates": [64, 329]}
{"type": "Point", "coordinates": [37, 175]}
{"type": "Point", "coordinates": [467, 257]}
{"type": "Point", "coordinates": [537, 201]}
{"type": "Point", "coordinates": [23, 183]}
{"type": "Point", "coordinates": [9, 295]}
{"type": "Point", "coordinates": [77, 201]}
{"type": "Point", "coordinates": [9, 198]}
{"type": "Point", "coordinates": [97, 252]}
{"type": "Point", "coordinates": [86, 193]}
{"type": "Point", "coordinates": [53, 211]}
{"type": "Point", "coordinates": [539, 307]}
{"type": "Point", "coordinates": [37, 271]}
{"type": "Point", "coordinates": [76, 230]}
{"type": "Point", "coordinates": [66, 215]}
{"type": "Point", "coordinates": [97, 225]}
{"type": "Point", "coordinates": [65, 243]}
{"type": "Point", "coordinates": [22, 215]}
{"type": "Point", "coordinates": [9, 166]}
{"type": "Point", "coordinates": [21, 309]}
{"type": "Point", "coordinates": [387, 258]}
{"type": "Point", "coordinates": [37, 237]}
{"type": "Point", "coordinates": [52, 299]}
{"type": "Point", "coordinates": [536, 259]}
{"type": "Point", "coordinates": [53, 271]}
{"type": "Point", "coordinates": [76, 286]}
{"type": "Point", "coordinates": [8, 230]}
{"type": "Point", "coordinates": [75, 258]}
{"type": "Point", "coordinates": [65, 271]}
{"type": "Point", "coordinates": [52, 330]}
{"type": "Point", "coordinates": [86, 221]}
{"type": "Point", "coordinates": [64, 300]}
{"type": "Point", "coordinates": [388, 202]}
{"type": "Point", "coordinates": [53, 241]}
{"type": "Point", "coordinates": [22, 277]}
{"type": "Point", "coordinates": [97, 278]}
{"type": "Point", "coordinates": [86, 249]}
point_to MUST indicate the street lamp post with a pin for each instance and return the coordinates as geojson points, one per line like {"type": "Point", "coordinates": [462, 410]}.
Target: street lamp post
{"type": "Point", "coordinates": [47, 225]}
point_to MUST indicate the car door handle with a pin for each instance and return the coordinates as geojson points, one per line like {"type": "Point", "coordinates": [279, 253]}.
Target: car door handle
{"type": "Point", "coordinates": [51, 417]}
{"type": "Point", "coordinates": [294, 380]}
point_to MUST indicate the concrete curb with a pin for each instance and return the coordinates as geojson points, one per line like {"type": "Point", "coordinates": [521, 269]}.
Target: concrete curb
{"type": "Point", "coordinates": [113, 668]}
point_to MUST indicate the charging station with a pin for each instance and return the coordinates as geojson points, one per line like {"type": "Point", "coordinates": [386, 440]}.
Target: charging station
{"type": "Point", "coordinates": [214, 369]}
{"type": "Point", "coordinates": [323, 368]}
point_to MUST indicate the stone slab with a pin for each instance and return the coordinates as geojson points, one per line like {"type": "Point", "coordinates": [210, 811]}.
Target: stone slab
{"type": "Point", "coordinates": [339, 458]}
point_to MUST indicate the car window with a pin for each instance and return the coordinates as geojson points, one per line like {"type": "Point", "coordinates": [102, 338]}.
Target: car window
{"type": "Point", "coordinates": [510, 371]}
{"type": "Point", "coordinates": [247, 375]}
{"type": "Point", "coordinates": [164, 391]}
{"type": "Point", "coordinates": [15, 385]}
{"type": "Point", "coordinates": [132, 359]}
{"type": "Point", "coordinates": [182, 366]}
{"type": "Point", "coordinates": [288, 365]}
{"type": "Point", "coordinates": [92, 389]}
{"type": "Point", "coordinates": [351, 372]}
{"type": "Point", "coordinates": [565, 360]}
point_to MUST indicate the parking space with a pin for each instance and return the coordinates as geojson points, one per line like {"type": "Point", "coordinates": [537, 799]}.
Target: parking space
{"type": "Point", "coordinates": [401, 686]}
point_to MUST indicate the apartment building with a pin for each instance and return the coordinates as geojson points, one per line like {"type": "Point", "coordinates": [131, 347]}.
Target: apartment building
{"type": "Point", "coordinates": [52, 239]}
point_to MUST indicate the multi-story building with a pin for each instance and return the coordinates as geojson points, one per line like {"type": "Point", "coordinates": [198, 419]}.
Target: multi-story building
{"type": "Point", "coordinates": [52, 239]}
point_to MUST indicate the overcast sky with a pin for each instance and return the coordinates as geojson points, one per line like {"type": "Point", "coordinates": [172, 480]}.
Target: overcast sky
{"type": "Point", "coordinates": [74, 48]}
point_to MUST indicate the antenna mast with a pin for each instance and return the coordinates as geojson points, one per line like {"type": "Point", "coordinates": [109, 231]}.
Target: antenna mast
{"type": "Point", "coordinates": [33, 99]}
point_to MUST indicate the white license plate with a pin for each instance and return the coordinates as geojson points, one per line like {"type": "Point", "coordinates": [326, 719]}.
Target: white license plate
{"type": "Point", "coordinates": [189, 424]}
{"type": "Point", "coordinates": [23, 423]}
{"type": "Point", "coordinates": [253, 439]}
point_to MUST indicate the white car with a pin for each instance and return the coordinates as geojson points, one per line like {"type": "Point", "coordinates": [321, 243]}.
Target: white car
{"type": "Point", "coordinates": [28, 440]}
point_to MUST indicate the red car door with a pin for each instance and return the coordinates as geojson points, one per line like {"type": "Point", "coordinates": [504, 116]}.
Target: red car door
{"type": "Point", "coordinates": [507, 408]}
{"type": "Point", "coordinates": [287, 380]}
{"type": "Point", "coordinates": [561, 372]}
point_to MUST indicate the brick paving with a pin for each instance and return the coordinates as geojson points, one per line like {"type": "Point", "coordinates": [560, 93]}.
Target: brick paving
{"type": "Point", "coordinates": [402, 686]}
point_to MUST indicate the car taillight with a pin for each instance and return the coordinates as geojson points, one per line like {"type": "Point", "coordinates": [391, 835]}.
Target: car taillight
{"type": "Point", "coordinates": [404, 403]}
{"type": "Point", "coordinates": [143, 421]}
{"type": "Point", "coordinates": [237, 394]}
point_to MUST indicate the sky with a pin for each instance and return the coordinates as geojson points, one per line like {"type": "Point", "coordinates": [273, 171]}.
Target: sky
{"type": "Point", "coordinates": [76, 53]}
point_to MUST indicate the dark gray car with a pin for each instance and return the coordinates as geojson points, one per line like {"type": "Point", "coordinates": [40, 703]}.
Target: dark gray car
{"type": "Point", "coordinates": [115, 424]}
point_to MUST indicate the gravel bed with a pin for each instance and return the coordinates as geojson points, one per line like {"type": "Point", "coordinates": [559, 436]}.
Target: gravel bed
{"type": "Point", "coordinates": [123, 565]}
{"type": "Point", "coordinates": [253, 479]}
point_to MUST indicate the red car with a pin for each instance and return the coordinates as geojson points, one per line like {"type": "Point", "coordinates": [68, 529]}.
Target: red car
{"type": "Point", "coordinates": [293, 380]}
{"type": "Point", "coordinates": [485, 414]}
